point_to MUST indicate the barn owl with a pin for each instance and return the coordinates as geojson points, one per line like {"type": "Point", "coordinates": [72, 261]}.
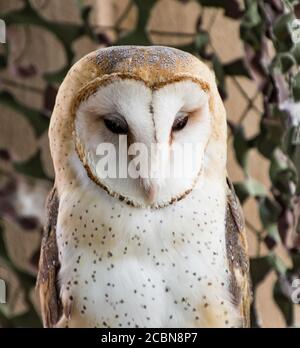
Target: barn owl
{"type": "Point", "coordinates": [159, 251]}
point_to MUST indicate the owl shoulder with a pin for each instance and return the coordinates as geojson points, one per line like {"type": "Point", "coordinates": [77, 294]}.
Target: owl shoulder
{"type": "Point", "coordinates": [47, 284]}
{"type": "Point", "coordinates": [237, 255]}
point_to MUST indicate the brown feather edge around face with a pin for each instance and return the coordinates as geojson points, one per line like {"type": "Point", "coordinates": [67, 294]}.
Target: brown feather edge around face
{"type": "Point", "coordinates": [47, 284]}
{"type": "Point", "coordinates": [238, 261]}
{"type": "Point", "coordinates": [91, 88]}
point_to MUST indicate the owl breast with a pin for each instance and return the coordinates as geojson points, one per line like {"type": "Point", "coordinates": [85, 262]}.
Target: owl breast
{"type": "Point", "coordinates": [131, 267]}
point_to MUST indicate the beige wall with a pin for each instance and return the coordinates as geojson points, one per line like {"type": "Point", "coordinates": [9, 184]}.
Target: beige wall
{"type": "Point", "coordinates": [38, 46]}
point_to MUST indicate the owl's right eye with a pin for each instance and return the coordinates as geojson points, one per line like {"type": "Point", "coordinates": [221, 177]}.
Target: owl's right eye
{"type": "Point", "coordinates": [116, 125]}
{"type": "Point", "coordinates": [180, 122]}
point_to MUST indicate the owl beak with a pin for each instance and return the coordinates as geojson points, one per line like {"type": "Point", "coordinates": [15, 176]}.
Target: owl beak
{"type": "Point", "coordinates": [151, 191]}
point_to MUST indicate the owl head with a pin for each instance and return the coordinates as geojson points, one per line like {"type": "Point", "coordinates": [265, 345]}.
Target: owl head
{"type": "Point", "coordinates": [144, 124]}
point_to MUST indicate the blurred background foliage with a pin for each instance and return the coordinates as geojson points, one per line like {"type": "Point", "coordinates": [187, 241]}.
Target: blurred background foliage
{"type": "Point", "coordinates": [271, 58]}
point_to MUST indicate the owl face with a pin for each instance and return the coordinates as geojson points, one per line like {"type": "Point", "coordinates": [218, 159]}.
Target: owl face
{"type": "Point", "coordinates": [144, 145]}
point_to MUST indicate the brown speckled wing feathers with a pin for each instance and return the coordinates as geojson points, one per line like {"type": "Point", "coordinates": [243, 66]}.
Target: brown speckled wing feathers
{"type": "Point", "coordinates": [49, 265]}
{"type": "Point", "coordinates": [237, 253]}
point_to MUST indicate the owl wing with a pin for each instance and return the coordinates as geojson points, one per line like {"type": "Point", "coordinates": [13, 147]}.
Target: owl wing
{"type": "Point", "coordinates": [47, 284]}
{"type": "Point", "coordinates": [237, 253]}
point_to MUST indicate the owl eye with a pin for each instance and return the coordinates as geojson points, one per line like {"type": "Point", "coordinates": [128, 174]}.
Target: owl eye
{"type": "Point", "coordinates": [180, 122]}
{"type": "Point", "coordinates": [116, 125]}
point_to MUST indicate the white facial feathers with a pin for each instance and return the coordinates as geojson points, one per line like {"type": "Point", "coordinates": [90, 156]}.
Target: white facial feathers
{"type": "Point", "coordinates": [149, 115]}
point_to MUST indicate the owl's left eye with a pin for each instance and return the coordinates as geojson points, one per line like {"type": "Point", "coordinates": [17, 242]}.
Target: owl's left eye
{"type": "Point", "coordinates": [180, 122]}
{"type": "Point", "coordinates": [116, 125]}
